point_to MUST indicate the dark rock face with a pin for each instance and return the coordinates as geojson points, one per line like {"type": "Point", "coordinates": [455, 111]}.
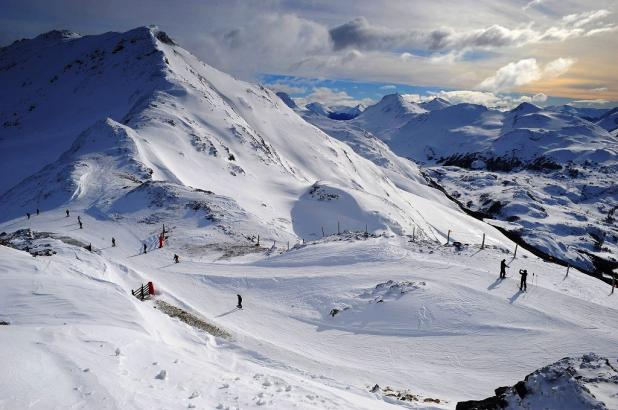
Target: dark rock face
{"type": "Point", "coordinates": [568, 382]}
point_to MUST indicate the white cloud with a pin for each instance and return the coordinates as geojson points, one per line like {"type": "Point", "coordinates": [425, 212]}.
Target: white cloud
{"type": "Point", "coordinates": [389, 87]}
{"type": "Point", "coordinates": [523, 72]}
{"type": "Point", "coordinates": [488, 99]}
{"type": "Point", "coordinates": [512, 75]}
{"type": "Point", "coordinates": [330, 98]}
{"type": "Point", "coordinates": [582, 19]}
{"type": "Point", "coordinates": [594, 103]}
{"type": "Point", "coordinates": [531, 4]}
{"type": "Point", "coordinates": [558, 67]}
{"type": "Point", "coordinates": [280, 86]}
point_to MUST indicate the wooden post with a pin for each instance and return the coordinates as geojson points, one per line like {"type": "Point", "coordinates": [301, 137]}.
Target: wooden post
{"type": "Point", "coordinates": [413, 233]}
{"type": "Point", "coordinates": [448, 237]}
{"type": "Point", "coordinates": [258, 244]}
{"type": "Point", "coordinates": [568, 267]}
{"type": "Point", "coordinates": [613, 284]}
{"type": "Point", "coordinates": [515, 254]}
{"type": "Point", "coordinates": [288, 245]}
{"type": "Point", "coordinates": [483, 243]}
{"type": "Point", "coordinates": [141, 291]}
{"type": "Point", "coordinates": [274, 244]}
{"type": "Point", "coordinates": [365, 229]}
{"type": "Point", "coordinates": [323, 232]}
{"type": "Point", "coordinates": [338, 228]}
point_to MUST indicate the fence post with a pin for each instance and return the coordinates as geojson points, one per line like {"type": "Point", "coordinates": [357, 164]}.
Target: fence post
{"type": "Point", "coordinates": [448, 237]}
{"type": "Point", "coordinates": [568, 268]}
{"type": "Point", "coordinates": [613, 284]}
{"type": "Point", "coordinates": [483, 243]}
{"type": "Point", "coordinates": [288, 245]}
{"type": "Point", "coordinates": [413, 233]}
{"type": "Point", "coordinates": [141, 291]}
{"type": "Point", "coordinates": [258, 244]}
{"type": "Point", "coordinates": [365, 229]}
{"type": "Point", "coordinates": [274, 243]}
{"type": "Point", "coordinates": [515, 254]}
{"type": "Point", "coordinates": [338, 228]}
{"type": "Point", "coordinates": [323, 232]}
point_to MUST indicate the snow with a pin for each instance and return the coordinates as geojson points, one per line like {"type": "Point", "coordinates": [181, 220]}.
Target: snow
{"type": "Point", "coordinates": [252, 197]}
{"type": "Point", "coordinates": [448, 336]}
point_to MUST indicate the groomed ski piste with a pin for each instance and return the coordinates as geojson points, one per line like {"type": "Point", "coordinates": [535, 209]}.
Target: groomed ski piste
{"type": "Point", "coordinates": [236, 176]}
{"type": "Point", "coordinates": [449, 329]}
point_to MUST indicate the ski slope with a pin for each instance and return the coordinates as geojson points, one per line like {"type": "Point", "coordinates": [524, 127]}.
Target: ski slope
{"type": "Point", "coordinates": [259, 202]}
{"type": "Point", "coordinates": [456, 333]}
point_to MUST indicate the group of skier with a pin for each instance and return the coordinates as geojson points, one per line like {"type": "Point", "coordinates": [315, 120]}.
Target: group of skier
{"type": "Point", "coordinates": [161, 238]}
{"type": "Point", "coordinates": [522, 272]}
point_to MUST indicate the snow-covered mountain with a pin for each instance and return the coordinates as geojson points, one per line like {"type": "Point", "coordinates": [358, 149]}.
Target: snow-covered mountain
{"type": "Point", "coordinates": [537, 169]}
{"type": "Point", "coordinates": [388, 115]}
{"type": "Point", "coordinates": [184, 126]}
{"type": "Point", "coordinates": [137, 138]}
{"type": "Point", "coordinates": [336, 112]}
{"type": "Point", "coordinates": [587, 113]}
{"type": "Point", "coordinates": [609, 120]}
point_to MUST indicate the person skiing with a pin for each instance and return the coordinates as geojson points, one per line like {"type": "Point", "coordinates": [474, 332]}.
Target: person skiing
{"type": "Point", "coordinates": [503, 267]}
{"type": "Point", "coordinates": [113, 242]}
{"type": "Point", "coordinates": [37, 211]}
{"type": "Point", "coordinates": [524, 276]}
{"type": "Point", "coordinates": [176, 259]}
{"type": "Point", "coordinates": [239, 305]}
{"type": "Point", "coordinates": [67, 211]}
{"type": "Point", "coordinates": [28, 215]}
{"type": "Point", "coordinates": [81, 226]}
{"type": "Point", "coordinates": [161, 239]}
{"type": "Point", "coordinates": [145, 251]}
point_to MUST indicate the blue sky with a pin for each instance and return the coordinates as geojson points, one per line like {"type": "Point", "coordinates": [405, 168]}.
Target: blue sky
{"type": "Point", "coordinates": [348, 92]}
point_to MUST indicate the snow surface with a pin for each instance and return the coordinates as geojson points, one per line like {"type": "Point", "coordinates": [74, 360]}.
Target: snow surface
{"type": "Point", "coordinates": [152, 136]}
{"type": "Point", "coordinates": [546, 171]}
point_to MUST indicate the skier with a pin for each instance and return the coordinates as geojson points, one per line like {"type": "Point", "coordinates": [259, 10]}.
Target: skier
{"type": "Point", "coordinates": [176, 259]}
{"type": "Point", "coordinates": [89, 247]}
{"type": "Point", "coordinates": [161, 239]}
{"type": "Point", "coordinates": [239, 305]}
{"type": "Point", "coordinates": [113, 242]}
{"type": "Point", "coordinates": [81, 226]}
{"type": "Point", "coordinates": [37, 211]}
{"type": "Point", "coordinates": [67, 211]}
{"type": "Point", "coordinates": [524, 276]}
{"type": "Point", "coordinates": [79, 219]}
{"type": "Point", "coordinates": [145, 249]}
{"type": "Point", "coordinates": [503, 267]}
{"type": "Point", "coordinates": [28, 215]}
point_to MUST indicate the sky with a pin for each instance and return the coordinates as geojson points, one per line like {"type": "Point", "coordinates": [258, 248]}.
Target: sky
{"type": "Point", "coordinates": [346, 52]}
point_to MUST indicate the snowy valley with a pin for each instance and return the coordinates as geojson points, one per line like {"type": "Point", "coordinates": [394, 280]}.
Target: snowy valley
{"type": "Point", "coordinates": [363, 286]}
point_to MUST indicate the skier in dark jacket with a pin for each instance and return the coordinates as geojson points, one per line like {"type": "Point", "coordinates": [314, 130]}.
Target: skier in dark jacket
{"type": "Point", "coordinates": [28, 215]}
{"type": "Point", "coordinates": [67, 212]}
{"type": "Point", "coordinates": [113, 242]}
{"type": "Point", "coordinates": [524, 276]}
{"type": "Point", "coordinates": [81, 226]}
{"type": "Point", "coordinates": [239, 305]}
{"type": "Point", "coordinates": [176, 258]}
{"type": "Point", "coordinates": [145, 248]}
{"type": "Point", "coordinates": [503, 267]}
{"type": "Point", "coordinates": [37, 211]}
